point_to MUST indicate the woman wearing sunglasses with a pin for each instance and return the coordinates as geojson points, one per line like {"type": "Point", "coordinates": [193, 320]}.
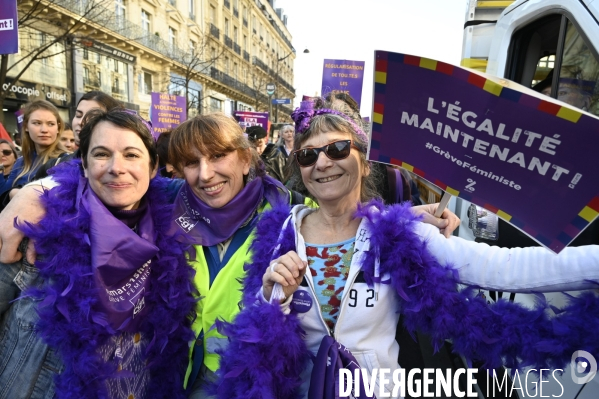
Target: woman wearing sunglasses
{"type": "Point", "coordinates": [327, 287]}
{"type": "Point", "coordinates": [8, 157]}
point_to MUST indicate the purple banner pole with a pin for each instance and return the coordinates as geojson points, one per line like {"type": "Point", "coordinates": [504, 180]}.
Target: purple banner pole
{"type": "Point", "coordinates": [526, 158]}
{"type": "Point", "coordinates": [9, 32]}
{"type": "Point", "coordinates": [249, 118]}
{"type": "Point", "coordinates": [343, 75]}
{"type": "Point", "coordinates": [167, 112]}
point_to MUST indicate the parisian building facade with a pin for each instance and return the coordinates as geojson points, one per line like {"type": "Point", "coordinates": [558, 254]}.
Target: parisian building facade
{"type": "Point", "coordinates": [219, 54]}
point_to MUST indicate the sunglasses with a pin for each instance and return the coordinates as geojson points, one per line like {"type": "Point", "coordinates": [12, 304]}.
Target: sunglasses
{"type": "Point", "coordinates": [6, 152]}
{"type": "Point", "coordinates": [337, 150]}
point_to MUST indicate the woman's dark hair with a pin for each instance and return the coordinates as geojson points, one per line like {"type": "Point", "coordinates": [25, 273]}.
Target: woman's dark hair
{"type": "Point", "coordinates": [67, 126]}
{"type": "Point", "coordinates": [103, 99]}
{"type": "Point", "coordinates": [121, 118]}
{"type": "Point", "coordinates": [162, 144]}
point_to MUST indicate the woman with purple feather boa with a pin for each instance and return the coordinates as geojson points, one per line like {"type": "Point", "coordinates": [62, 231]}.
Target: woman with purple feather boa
{"type": "Point", "coordinates": [326, 285]}
{"type": "Point", "coordinates": [106, 310]}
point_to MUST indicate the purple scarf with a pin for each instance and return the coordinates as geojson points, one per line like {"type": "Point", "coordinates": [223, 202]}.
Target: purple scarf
{"type": "Point", "coordinates": [121, 261]}
{"type": "Point", "coordinates": [199, 224]}
{"type": "Point", "coordinates": [324, 381]}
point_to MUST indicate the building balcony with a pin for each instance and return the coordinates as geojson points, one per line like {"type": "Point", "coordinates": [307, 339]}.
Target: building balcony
{"type": "Point", "coordinates": [91, 82]}
{"type": "Point", "coordinates": [117, 91]}
{"type": "Point", "coordinates": [258, 62]}
{"type": "Point", "coordinates": [228, 42]}
{"type": "Point", "coordinates": [121, 26]}
{"type": "Point", "coordinates": [246, 56]}
{"type": "Point", "coordinates": [214, 31]}
{"type": "Point", "coordinates": [236, 48]}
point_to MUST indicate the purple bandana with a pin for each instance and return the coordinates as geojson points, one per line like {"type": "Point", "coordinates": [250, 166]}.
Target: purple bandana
{"type": "Point", "coordinates": [324, 381]}
{"type": "Point", "coordinates": [204, 225]}
{"type": "Point", "coordinates": [121, 262]}
{"type": "Point", "coordinates": [198, 224]}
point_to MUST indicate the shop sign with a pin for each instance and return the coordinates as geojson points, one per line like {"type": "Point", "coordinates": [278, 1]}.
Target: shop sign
{"type": "Point", "coordinates": [108, 50]}
{"type": "Point", "coordinates": [29, 91]}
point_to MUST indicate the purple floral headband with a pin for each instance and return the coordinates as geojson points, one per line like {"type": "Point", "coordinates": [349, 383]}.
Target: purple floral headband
{"type": "Point", "coordinates": [303, 116]}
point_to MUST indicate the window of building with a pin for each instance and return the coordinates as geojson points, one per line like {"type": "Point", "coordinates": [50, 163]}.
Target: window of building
{"type": "Point", "coordinates": [99, 77]}
{"type": "Point", "coordinates": [119, 8]}
{"type": "Point", "coordinates": [85, 54]}
{"type": "Point", "coordinates": [98, 58]}
{"type": "Point", "coordinates": [571, 75]}
{"type": "Point", "coordinates": [144, 82]}
{"type": "Point", "coordinates": [116, 65]}
{"type": "Point", "coordinates": [172, 36]}
{"type": "Point", "coordinates": [235, 70]}
{"type": "Point", "coordinates": [192, 46]}
{"type": "Point", "coordinates": [216, 105]}
{"type": "Point", "coordinates": [226, 26]}
{"type": "Point", "coordinates": [212, 15]}
{"type": "Point", "coordinates": [145, 21]}
{"type": "Point", "coordinates": [115, 85]}
{"type": "Point", "coordinates": [244, 14]}
{"type": "Point", "coordinates": [213, 53]}
{"type": "Point", "coordinates": [226, 65]}
{"type": "Point", "coordinates": [235, 34]}
{"type": "Point", "coordinates": [192, 9]}
{"type": "Point", "coordinates": [254, 23]}
{"type": "Point", "coordinates": [245, 42]}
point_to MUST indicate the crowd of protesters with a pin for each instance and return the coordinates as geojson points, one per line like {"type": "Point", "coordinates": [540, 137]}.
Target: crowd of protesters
{"type": "Point", "coordinates": [145, 266]}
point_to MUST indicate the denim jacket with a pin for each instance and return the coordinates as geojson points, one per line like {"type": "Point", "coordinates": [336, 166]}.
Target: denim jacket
{"type": "Point", "coordinates": [27, 365]}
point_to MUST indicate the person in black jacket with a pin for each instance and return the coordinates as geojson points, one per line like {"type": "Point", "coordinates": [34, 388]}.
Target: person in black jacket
{"type": "Point", "coordinates": [271, 155]}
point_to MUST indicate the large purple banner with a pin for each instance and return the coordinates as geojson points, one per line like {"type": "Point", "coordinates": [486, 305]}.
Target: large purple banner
{"type": "Point", "coordinates": [343, 75]}
{"type": "Point", "coordinates": [249, 118]}
{"type": "Point", "coordinates": [9, 33]}
{"type": "Point", "coordinates": [167, 112]}
{"type": "Point", "coordinates": [529, 159]}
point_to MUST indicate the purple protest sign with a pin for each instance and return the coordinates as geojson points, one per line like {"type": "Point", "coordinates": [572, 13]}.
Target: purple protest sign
{"type": "Point", "coordinates": [527, 159]}
{"type": "Point", "coordinates": [249, 118]}
{"type": "Point", "coordinates": [19, 116]}
{"type": "Point", "coordinates": [167, 112]}
{"type": "Point", "coordinates": [343, 75]}
{"type": "Point", "coordinates": [9, 32]}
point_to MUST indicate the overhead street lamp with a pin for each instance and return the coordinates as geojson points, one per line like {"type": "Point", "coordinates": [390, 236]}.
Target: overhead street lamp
{"type": "Point", "coordinates": [306, 51]}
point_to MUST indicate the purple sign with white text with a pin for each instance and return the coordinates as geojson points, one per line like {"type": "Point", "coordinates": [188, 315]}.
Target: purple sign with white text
{"type": "Point", "coordinates": [343, 75]}
{"type": "Point", "coordinates": [167, 112]}
{"type": "Point", "coordinates": [528, 159]}
{"type": "Point", "coordinates": [249, 118]}
{"type": "Point", "coordinates": [9, 32]}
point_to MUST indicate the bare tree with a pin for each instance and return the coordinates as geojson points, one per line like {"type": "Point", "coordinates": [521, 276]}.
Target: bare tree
{"type": "Point", "coordinates": [43, 26]}
{"type": "Point", "coordinates": [257, 80]}
{"type": "Point", "coordinates": [199, 60]}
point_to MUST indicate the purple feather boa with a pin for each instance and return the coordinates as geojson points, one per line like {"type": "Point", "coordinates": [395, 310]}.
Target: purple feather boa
{"type": "Point", "coordinates": [69, 319]}
{"type": "Point", "coordinates": [265, 359]}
